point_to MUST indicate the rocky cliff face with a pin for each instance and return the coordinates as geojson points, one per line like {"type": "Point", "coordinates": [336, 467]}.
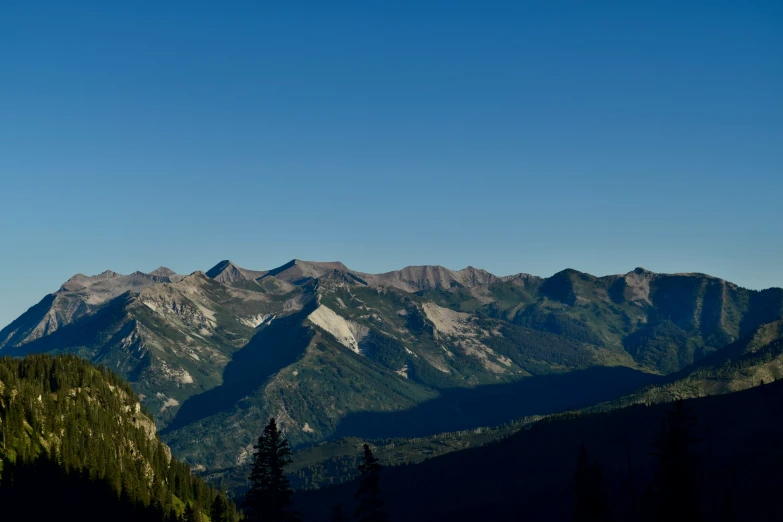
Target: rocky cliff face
{"type": "Point", "coordinates": [76, 298]}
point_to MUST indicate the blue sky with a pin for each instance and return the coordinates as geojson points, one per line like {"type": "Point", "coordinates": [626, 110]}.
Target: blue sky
{"type": "Point", "coordinates": [527, 137]}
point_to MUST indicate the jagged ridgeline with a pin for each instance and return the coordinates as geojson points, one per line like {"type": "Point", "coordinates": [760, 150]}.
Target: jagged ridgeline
{"type": "Point", "coordinates": [74, 440]}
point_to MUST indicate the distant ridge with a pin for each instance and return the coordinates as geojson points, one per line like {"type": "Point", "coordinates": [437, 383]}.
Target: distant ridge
{"type": "Point", "coordinates": [162, 271]}
{"type": "Point", "coordinates": [228, 272]}
{"type": "Point", "coordinates": [297, 271]}
{"type": "Point", "coordinates": [408, 279]}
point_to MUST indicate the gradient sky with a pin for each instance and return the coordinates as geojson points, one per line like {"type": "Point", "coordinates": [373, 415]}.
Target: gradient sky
{"type": "Point", "coordinates": [517, 138]}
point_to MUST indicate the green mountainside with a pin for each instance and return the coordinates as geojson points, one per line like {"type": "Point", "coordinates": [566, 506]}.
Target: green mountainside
{"type": "Point", "coordinates": [335, 353]}
{"type": "Point", "coordinates": [750, 361]}
{"type": "Point", "coordinates": [78, 435]}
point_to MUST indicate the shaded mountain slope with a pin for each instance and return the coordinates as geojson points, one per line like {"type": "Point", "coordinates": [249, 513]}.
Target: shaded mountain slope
{"type": "Point", "coordinates": [532, 472]}
{"type": "Point", "coordinates": [748, 362]}
{"type": "Point", "coordinates": [310, 397]}
{"type": "Point", "coordinates": [272, 349]}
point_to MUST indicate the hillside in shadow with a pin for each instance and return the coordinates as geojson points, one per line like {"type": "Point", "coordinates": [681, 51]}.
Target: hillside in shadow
{"type": "Point", "coordinates": [274, 347]}
{"type": "Point", "coordinates": [465, 408]}
{"type": "Point", "coordinates": [734, 468]}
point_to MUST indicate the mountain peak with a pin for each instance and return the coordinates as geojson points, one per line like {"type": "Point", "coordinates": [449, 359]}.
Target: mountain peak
{"type": "Point", "coordinates": [297, 270]}
{"type": "Point", "coordinates": [472, 276]}
{"type": "Point", "coordinates": [220, 267]}
{"type": "Point", "coordinates": [329, 265]}
{"type": "Point", "coordinates": [430, 277]}
{"type": "Point", "coordinates": [103, 276]}
{"type": "Point", "coordinates": [568, 273]}
{"type": "Point", "coordinates": [163, 271]}
{"type": "Point", "coordinates": [227, 272]}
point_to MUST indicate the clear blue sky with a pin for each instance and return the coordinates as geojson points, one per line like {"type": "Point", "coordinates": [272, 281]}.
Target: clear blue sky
{"type": "Point", "coordinates": [528, 137]}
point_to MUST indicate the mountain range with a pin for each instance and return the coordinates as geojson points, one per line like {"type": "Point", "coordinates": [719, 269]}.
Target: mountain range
{"type": "Point", "coordinates": [334, 352]}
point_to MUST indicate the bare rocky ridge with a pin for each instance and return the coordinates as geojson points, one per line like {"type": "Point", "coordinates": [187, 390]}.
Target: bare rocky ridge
{"type": "Point", "coordinates": [409, 279]}
{"type": "Point", "coordinates": [168, 273]}
{"type": "Point", "coordinates": [228, 272]}
{"type": "Point", "coordinates": [419, 278]}
{"type": "Point", "coordinates": [77, 297]}
{"type": "Point", "coordinates": [297, 271]}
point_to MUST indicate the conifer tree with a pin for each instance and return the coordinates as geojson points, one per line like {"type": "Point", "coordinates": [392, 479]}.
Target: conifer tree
{"type": "Point", "coordinates": [270, 491]}
{"type": "Point", "coordinates": [192, 513]}
{"type": "Point", "coordinates": [172, 517]}
{"type": "Point", "coordinates": [338, 515]}
{"type": "Point", "coordinates": [589, 495]}
{"type": "Point", "coordinates": [370, 507]}
{"type": "Point", "coordinates": [728, 506]}
{"type": "Point", "coordinates": [222, 510]}
{"type": "Point", "coordinates": [677, 464]}
{"type": "Point", "coordinates": [219, 510]}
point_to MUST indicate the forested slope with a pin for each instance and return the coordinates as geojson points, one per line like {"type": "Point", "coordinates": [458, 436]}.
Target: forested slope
{"type": "Point", "coordinates": [76, 444]}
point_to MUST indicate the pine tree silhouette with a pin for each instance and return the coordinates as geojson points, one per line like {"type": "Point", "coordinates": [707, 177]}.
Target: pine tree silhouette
{"type": "Point", "coordinates": [370, 507]}
{"type": "Point", "coordinates": [221, 509]}
{"type": "Point", "coordinates": [192, 513]}
{"type": "Point", "coordinates": [338, 515]}
{"type": "Point", "coordinates": [678, 496]}
{"type": "Point", "coordinates": [218, 510]}
{"type": "Point", "coordinates": [270, 491]}
{"type": "Point", "coordinates": [589, 495]}
{"type": "Point", "coordinates": [728, 505]}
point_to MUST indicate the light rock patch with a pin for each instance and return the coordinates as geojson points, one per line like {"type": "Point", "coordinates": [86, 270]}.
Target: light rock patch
{"type": "Point", "coordinates": [257, 320]}
{"type": "Point", "coordinates": [170, 403]}
{"type": "Point", "coordinates": [446, 321]}
{"type": "Point", "coordinates": [325, 318]}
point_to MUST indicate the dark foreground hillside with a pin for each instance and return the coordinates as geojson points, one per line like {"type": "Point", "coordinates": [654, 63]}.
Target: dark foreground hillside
{"type": "Point", "coordinates": [734, 455]}
{"type": "Point", "coordinates": [76, 445]}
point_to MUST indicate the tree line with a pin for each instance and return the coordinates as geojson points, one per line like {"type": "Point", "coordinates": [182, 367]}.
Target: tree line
{"type": "Point", "coordinates": [269, 497]}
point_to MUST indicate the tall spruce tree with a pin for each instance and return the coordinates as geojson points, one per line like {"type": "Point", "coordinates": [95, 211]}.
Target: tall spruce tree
{"type": "Point", "coordinates": [370, 507]}
{"type": "Point", "coordinates": [192, 513]}
{"type": "Point", "coordinates": [338, 515]}
{"type": "Point", "coordinates": [676, 481]}
{"type": "Point", "coordinates": [219, 511]}
{"type": "Point", "coordinates": [269, 497]}
{"type": "Point", "coordinates": [589, 495]}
